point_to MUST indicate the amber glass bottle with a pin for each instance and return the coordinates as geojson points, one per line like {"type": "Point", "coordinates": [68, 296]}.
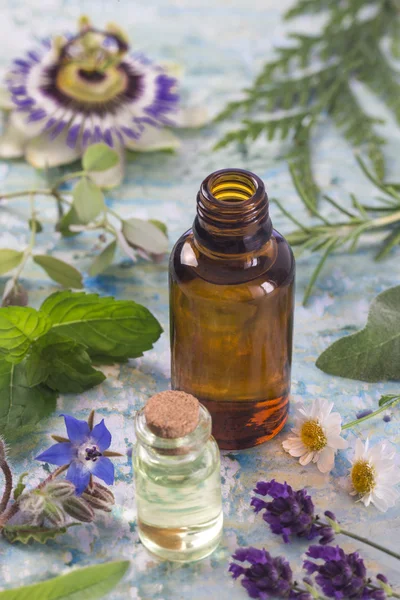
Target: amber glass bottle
{"type": "Point", "coordinates": [231, 308]}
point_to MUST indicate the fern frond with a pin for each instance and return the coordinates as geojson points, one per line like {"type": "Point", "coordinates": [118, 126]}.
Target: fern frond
{"type": "Point", "coordinates": [305, 7]}
{"type": "Point", "coordinates": [383, 80]}
{"type": "Point", "coordinates": [299, 158]}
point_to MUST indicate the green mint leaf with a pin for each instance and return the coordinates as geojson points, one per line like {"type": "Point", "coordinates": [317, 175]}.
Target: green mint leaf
{"type": "Point", "coordinates": [119, 329]}
{"type": "Point", "coordinates": [19, 488]}
{"type": "Point", "coordinates": [38, 225]}
{"type": "Point", "coordinates": [59, 271]}
{"type": "Point", "coordinates": [388, 399]}
{"type": "Point", "coordinates": [19, 327]}
{"type": "Point", "coordinates": [28, 533]}
{"type": "Point", "coordinates": [371, 354]}
{"type": "Point", "coordinates": [99, 157]}
{"type": "Point", "coordinates": [146, 235]}
{"type": "Point", "coordinates": [9, 259]}
{"type": "Point", "coordinates": [63, 364]}
{"type": "Point", "coordinates": [21, 406]}
{"type": "Point", "coordinates": [80, 584]}
{"type": "Point", "coordinates": [88, 200]}
{"type": "Point", "coordinates": [103, 260]}
{"type": "Point", "coordinates": [161, 226]}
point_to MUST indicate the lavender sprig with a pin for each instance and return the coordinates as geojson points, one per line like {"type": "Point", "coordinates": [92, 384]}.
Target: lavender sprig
{"type": "Point", "coordinates": [291, 513]}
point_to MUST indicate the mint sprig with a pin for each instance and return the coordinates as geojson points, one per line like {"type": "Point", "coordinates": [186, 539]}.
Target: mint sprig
{"type": "Point", "coordinates": [52, 350]}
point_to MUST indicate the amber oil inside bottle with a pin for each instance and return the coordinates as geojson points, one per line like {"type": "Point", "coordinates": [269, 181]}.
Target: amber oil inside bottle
{"type": "Point", "coordinates": [231, 310]}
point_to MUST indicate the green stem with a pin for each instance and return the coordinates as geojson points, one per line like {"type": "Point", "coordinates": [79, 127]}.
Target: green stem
{"type": "Point", "coordinates": [20, 193]}
{"type": "Point", "coordinates": [381, 409]}
{"type": "Point", "coordinates": [67, 177]}
{"type": "Point", "coordinates": [359, 538]}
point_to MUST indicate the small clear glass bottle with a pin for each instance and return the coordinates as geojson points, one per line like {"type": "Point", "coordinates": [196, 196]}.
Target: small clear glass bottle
{"type": "Point", "coordinates": [178, 491]}
{"type": "Point", "coordinates": [231, 311]}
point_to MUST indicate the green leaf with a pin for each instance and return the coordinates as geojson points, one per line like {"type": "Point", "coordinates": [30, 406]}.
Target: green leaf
{"type": "Point", "coordinates": [88, 583]}
{"type": "Point", "coordinates": [19, 327]}
{"type": "Point", "coordinates": [63, 364]}
{"type": "Point", "coordinates": [388, 399]}
{"type": "Point", "coordinates": [88, 200]}
{"type": "Point", "coordinates": [60, 271]}
{"type": "Point", "coordinates": [371, 354]}
{"type": "Point", "coordinates": [103, 260]}
{"type": "Point", "coordinates": [38, 225]}
{"type": "Point", "coordinates": [99, 157]}
{"type": "Point", "coordinates": [32, 533]}
{"type": "Point", "coordinates": [146, 235]}
{"type": "Point", "coordinates": [161, 226]}
{"type": "Point", "coordinates": [21, 406]}
{"type": "Point", "coordinates": [9, 259]}
{"type": "Point", "coordinates": [116, 328]}
{"type": "Point", "coordinates": [70, 218]}
{"type": "Point", "coordinates": [19, 488]}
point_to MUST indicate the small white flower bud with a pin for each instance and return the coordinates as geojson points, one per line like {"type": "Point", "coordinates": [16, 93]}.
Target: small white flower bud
{"type": "Point", "coordinates": [78, 509]}
{"type": "Point", "coordinates": [60, 489]}
{"type": "Point", "coordinates": [54, 514]}
{"type": "Point", "coordinates": [32, 504]}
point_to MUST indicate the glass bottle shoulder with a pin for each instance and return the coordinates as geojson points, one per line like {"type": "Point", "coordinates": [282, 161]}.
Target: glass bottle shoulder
{"type": "Point", "coordinates": [271, 267]}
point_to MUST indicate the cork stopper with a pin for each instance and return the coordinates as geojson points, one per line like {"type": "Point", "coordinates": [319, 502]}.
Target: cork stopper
{"type": "Point", "coordinates": [172, 414]}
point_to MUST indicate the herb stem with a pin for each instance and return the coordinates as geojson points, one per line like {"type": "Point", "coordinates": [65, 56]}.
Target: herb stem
{"type": "Point", "coordinates": [20, 193]}
{"type": "Point", "coordinates": [68, 177]}
{"type": "Point", "coordinates": [379, 410]}
{"type": "Point", "coordinates": [8, 484]}
{"type": "Point", "coordinates": [359, 538]}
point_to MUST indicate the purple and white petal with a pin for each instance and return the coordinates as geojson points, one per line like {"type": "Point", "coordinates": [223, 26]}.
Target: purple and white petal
{"type": "Point", "coordinates": [78, 431]}
{"type": "Point", "coordinates": [101, 436]}
{"type": "Point", "coordinates": [103, 468]}
{"type": "Point", "coordinates": [79, 475]}
{"type": "Point", "coordinates": [58, 454]}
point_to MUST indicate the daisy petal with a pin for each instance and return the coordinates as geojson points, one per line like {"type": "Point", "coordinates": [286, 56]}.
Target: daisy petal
{"type": "Point", "coordinates": [306, 458]}
{"type": "Point", "coordinates": [153, 140]}
{"type": "Point", "coordinates": [78, 431]}
{"type": "Point", "coordinates": [337, 442]}
{"type": "Point", "coordinates": [79, 475]}
{"type": "Point", "coordinates": [101, 436]}
{"type": "Point", "coordinates": [42, 152]}
{"type": "Point", "coordinates": [326, 460]}
{"type": "Point", "coordinates": [103, 468]}
{"type": "Point", "coordinates": [58, 454]}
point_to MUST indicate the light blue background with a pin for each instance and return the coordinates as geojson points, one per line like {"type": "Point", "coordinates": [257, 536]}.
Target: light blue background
{"type": "Point", "coordinates": [222, 44]}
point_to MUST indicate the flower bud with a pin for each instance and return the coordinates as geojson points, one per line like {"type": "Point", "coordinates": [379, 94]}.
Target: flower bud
{"type": "Point", "coordinates": [78, 509]}
{"type": "Point", "coordinates": [60, 489]}
{"type": "Point", "coordinates": [32, 505]}
{"type": "Point", "coordinates": [99, 497]}
{"type": "Point", "coordinates": [54, 514]}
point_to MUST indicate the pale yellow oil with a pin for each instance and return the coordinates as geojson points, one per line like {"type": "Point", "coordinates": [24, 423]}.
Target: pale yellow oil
{"type": "Point", "coordinates": [179, 503]}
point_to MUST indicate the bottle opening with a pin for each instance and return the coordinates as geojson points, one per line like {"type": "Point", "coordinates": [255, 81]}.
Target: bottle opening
{"type": "Point", "coordinates": [232, 187]}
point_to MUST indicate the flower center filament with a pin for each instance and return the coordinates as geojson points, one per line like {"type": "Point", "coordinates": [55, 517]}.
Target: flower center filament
{"type": "Point", "coordinates": [92, 453]}
{"type": "Point", "coordinates": [363, 477]}
{"type": "Point", "coordinates": [313, 436]}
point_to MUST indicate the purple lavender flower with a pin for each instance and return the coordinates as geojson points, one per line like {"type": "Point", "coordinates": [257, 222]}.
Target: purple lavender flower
{"type": "Point", "coordinates": [84, 452]}
{"type": "Point", "coordinates": [290, 512]}
{"type": "Point", "coordinates": [341, 575]}
{"type": "Point", "coordinates": [267, 577]}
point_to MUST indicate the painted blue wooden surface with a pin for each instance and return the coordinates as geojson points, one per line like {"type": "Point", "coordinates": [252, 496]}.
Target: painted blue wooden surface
{"type": "Point", "coordinates": [222, 44]}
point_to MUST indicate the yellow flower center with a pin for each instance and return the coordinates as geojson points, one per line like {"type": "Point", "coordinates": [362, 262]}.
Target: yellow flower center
{"type": "Point", "coordinates": [363, 477]}
{"type": "Point", "coordinates": [313, 436]}
{"type": "Point", "coordinates": [90, 86]}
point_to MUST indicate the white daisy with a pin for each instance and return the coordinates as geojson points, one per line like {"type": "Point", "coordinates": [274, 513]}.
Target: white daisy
{"type": "Point", "coordinates": [316, 435]}
{"type": "Point", "coordinates": [374, 475]}
{"type": "Point", "coordinates": [87, 88]}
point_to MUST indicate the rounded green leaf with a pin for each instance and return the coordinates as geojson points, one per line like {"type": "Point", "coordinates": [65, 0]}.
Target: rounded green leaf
{"type": "Point", "coordinates": [146, 235]}
{"type": "Point", "coordinates": [103, 260]}
{"type": "Point", "coordinates": [99, 157]}
{"type": "Point", "coordinates": [88, 200]}
{"type": "Point", "coordinates": [9, 259]}
{"type": "Point", "coordinates": [59, 271]}
{"type": "Point", "coordinates": [37, 224]}
{"type": "Point", "coordinates": [20, 326]}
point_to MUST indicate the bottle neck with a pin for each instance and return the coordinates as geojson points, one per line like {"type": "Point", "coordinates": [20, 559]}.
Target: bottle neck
{"type": "Point", "coordinates": [232, 213]}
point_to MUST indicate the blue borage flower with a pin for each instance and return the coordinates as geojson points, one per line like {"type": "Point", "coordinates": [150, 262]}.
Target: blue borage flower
{"type": "Point", "coordinates": [78, 90]}
{"type": "Point", "coordinates": [85, 451]}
